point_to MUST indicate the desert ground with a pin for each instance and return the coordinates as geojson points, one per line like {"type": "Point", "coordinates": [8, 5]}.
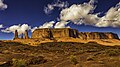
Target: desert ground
{"type": "Point", "coordinates": [59, 54]}
{"type": "Point", "coordinates": [35, 42]}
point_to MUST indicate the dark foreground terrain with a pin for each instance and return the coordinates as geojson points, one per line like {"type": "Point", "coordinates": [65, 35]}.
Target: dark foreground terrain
{"type": "Point", "coordinates": [59, 55]}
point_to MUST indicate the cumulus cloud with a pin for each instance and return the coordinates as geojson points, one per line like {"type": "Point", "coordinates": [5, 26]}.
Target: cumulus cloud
{"type": "Point", "coordinates": [1, 26]}
{"type": "Point", "coordinates": [45, 25]}
{"type": "Point", "coordinates": [58, 4]}
{"type": "Point", "coordinates": [2, 5]}
{"type": "Point", "coordinates": [20, 28]}
{"type": "Point", "coordinates": [61, 24]}
{"type": "Point", "coordinates": [84, 14]}
{"type": "Point", "coordinates": [112, 17]}
{"type": "Point", "coordinates": [80, 13]}
{"type": "Point", "coordinates": [34, 28]}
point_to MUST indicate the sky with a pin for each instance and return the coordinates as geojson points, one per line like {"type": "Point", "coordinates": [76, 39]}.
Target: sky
{"type": "Point", "coordinates": [83, 15]}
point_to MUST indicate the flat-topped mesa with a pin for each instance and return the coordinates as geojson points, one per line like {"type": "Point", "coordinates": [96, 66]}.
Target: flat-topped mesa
{"type": "Point", "coordinates": [97, 35]}
{"type": "Point", "coordinates": [68, 33]}
{"type": "Point", "coordinates": [55, 33]}
{"type": "Point", "coordinates": [16, 35]}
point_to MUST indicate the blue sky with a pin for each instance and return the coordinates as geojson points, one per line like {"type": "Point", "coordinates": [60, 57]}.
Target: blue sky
{"type": "Point", "coordinates": [32, 12]}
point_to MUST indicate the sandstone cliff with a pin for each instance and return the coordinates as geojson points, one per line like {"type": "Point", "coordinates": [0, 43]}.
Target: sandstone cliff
{"type": "Point", "coordinates": [55, 33]}
{"type": "Point", "coordinates": [41, 33]}
{"type": "Point", "coordinates": [67, 33]}
{"type": "Point", "coordinates": [97, 35]}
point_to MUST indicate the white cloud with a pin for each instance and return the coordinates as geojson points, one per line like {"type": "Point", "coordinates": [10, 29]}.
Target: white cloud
{"type": "Point", "coordinates": [112, 18]}
{"type": "Point", "coordinates": [58, 4]}
{"type": "Point", "coordinates": [61, 24]}
{"type": "Point", "coordinates": [80, 13]}
{"type": "Point", "coordinates": [83, 14]}
{"type": "Point", "coordinates": [20, 28]}
{"type": "Point", "coordinates": [77, 13]}
{"type": "Point", "coordinates": [2, 5]}
{"type": "Point", "coordinates": [1, 26]}
{"type": "Point", "coordinates": [47, 25]}
{"type": "Point", "coordinates": [34, 28]}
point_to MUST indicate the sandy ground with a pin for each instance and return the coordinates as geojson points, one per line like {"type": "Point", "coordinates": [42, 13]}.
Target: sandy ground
{"type": "Point", "coordinates": [35, 42]}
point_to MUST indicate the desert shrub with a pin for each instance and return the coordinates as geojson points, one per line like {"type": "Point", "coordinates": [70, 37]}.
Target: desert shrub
{"type": "Point", "coordinates": [14, 43]}
{"type": "Point", "coordinates": [93, 50]}
{"type": "Point", "coordinates": [5, 51]}
{"type": "Point", "coordinates": [113, 52]}
{"type": "Point", "coordinates": [97, 53]}
{"type": "Point", "coordinates": [90, 58]}
{"type": "Point", "coordinates": [73, 59]}
{"type": "Point", "coordinates": [18, 62]}
{"type": "Point", "coordinates": [36, 60]}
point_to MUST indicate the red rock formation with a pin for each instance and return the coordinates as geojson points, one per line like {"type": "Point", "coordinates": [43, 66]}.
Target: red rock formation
{"type": "Point", "coordinates": [16, 35]}
{"type": "Point", "coordinates": [41, 33]}
{"type": "Point", "coordinates": [67, 32]}
{"type": "Point", "coordinates": [111, 35]}
{"type": "Point", "coordinates": [55, 33]}
{"type": "Point", "coordinates": [98, 35]}
{"type": "Point", "coordinates": [26, 35]}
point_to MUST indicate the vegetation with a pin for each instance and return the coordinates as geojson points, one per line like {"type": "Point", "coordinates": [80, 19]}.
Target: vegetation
{"type": "Point", "coordinates": [113, 52]}
{"type": "Point", "coordinates": [18, 62]}
{"type": "Point", "coordinates": [73, 59]}
{"type": "Point", "coordinates": [59, 54]}
{"type": "Point", "coordinates": [90, 58]}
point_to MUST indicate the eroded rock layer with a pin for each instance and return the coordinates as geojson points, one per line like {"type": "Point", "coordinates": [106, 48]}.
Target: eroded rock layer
{"type": "Point", "coordinates": [68, 32]}
{"type": "Point", "coordinates": [98, 35]}
{"type": "Point", "coordinates": [55, 33]}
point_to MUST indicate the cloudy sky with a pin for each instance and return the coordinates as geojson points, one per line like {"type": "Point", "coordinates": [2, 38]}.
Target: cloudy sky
{"type": "Point", "coordinates": [84, 15]}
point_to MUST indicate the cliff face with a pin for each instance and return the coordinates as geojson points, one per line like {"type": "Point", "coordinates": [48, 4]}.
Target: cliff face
{"type": "Point", "coordinates": [98, 35]}
{"type": "Point", "coordinates": [41, 33]}
{"type": "Point", "coordinates": [55, 33]}
{"type": "Point", "coordinates": [112, 35]}
{"type": "Point", "coordinates": [67, 32]}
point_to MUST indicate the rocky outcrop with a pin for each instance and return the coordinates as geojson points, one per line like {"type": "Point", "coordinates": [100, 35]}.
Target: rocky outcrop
{"type": "Point", "coordinates": [98, 35]}
{"type": "Point", "coordinates": [42, 33]}
{"type": "Point", "coordinates": [26, 35]}
{"type": "Point", "coordinates": [111, 35]}
{"type": "Point", "coordinates": [23, 36]}
{"type": "Point", "coordinates": [73, 33]}
{"type": "Point", "coordinates": [55, 33]}
{"type": "Point", "coordinates": [67, 32]}
{"type": "Point", "coordinates": [64, 32]}
{"type": "Point", "coordinates": [48, 33]}
{"type": "Point", "coordinates": [16, 35]}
